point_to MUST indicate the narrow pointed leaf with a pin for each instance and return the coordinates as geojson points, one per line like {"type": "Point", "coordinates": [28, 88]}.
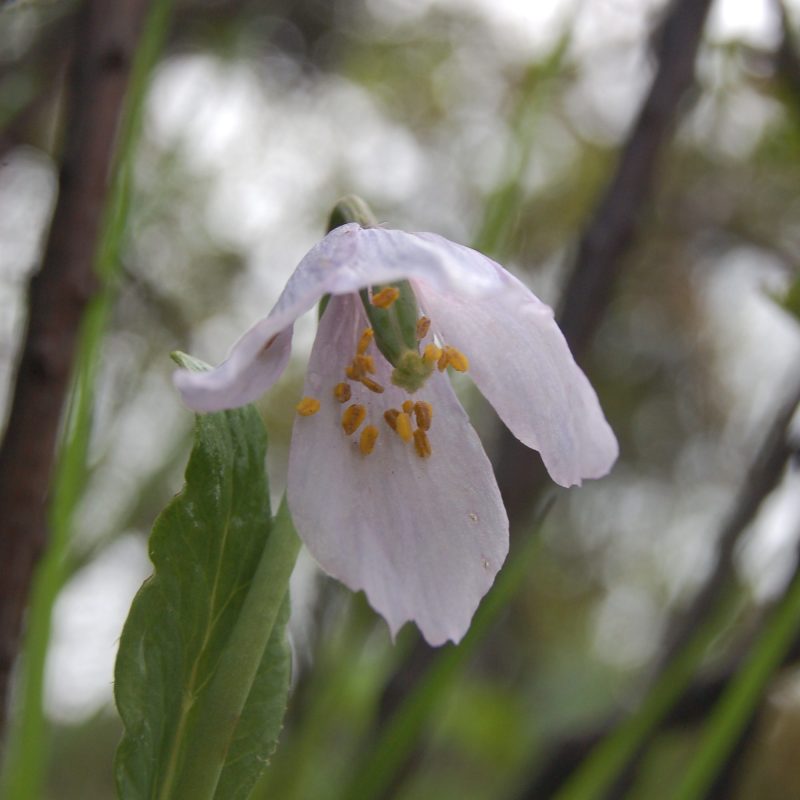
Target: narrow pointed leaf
{"type": "Point", "coordinates": [203, 663]}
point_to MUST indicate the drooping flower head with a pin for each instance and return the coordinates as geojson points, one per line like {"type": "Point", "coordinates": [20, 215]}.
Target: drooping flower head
{"type": "Point", "coordinates": [388, 485]}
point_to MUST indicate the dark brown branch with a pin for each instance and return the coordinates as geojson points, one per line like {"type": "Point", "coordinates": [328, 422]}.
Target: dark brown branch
{"type": "Point", "coordinates": [760, 479]}
{"type": "Point", "coordinates": [612, 228]}
{"type": "Point", "coordinates": [104, 46]}
{"type": "Point", "coordinates": [615, 222]}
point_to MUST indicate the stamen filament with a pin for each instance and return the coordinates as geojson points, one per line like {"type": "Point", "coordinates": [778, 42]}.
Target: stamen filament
{"type": "Point", "coordinates": [368, 438]}
{"type": "Point", "coordinates": [352, 418]}
{"type": "Point", "coordinates": [307, 406]}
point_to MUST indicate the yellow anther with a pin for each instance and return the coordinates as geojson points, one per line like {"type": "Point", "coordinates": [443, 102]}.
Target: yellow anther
{"type": "Point", "coordinates": [403, 426]}
{"type": "Point", "coordinates": [364, 363]}
{"type": "Point", "coordinates": [421, 443]}
{"type": "Point", "coordinates": [353, 417]}
{"type": "Point", "coordinates": [307, 406]}
{"type": "Point", "coordinates": [431, 354]}
{"type": "Point", "coordinates": [391, 418]}
{"type": "Point", "coordinates": [444, 360]}
{"type": "Point", "coordinates": [341, 392]}
{"type": "Point", "coordinates": [423, 326]}
{"type": "Point", "coordinates": [364, 341]}
{"type": "Point", "coordinates": [368, 438]}
{"type": "Point", "coordinates": [423, 411]}
{"type": "Point", "coordinates": [386, 297]}
{"type": "Point", "coordinates": [372, 385]}
{"type": "Point", "coordinates": [408, 406]}
{"type": "Point", "coordinates": [354, 371]}
{"type": "Point", "coordinates": [456, 359]}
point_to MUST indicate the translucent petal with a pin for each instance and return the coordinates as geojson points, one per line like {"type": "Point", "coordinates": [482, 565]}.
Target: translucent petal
{"type": "Point", "coordinates": [347, 259]}
{"type": "Point", "coordinates": [254, 364]}
{"type": "Point", "coordinates": [423, 538]}
{"type": "Point", "coordinates": [520, 361]}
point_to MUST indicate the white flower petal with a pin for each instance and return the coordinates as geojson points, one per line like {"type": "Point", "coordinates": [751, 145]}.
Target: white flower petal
{"type": "Point", "coordinates": [423, 538]}
{"type": "Point", "coordinates": [255, 362]}
{"type": "Point", "coordinates": [349, 258]}
{"type": "Point", "coordinates": [521, 362]}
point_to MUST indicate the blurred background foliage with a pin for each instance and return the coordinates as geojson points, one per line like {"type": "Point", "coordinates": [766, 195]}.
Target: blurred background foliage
{"type": "Point", "coordinates": [497, 125]}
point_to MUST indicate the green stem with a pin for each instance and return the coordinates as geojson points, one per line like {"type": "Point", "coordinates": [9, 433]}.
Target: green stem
{"type": "Point", "coordinates": [215, 718]}
{"type": "Point", "coordinates": [741, 698]}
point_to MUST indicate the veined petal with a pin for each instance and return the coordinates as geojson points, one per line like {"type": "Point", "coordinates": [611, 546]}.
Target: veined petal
{"type": "Point", "coordinates": [423, 538]}
{"type": "Point", "coordinates": [522, 364]}
{"type": "Point", "coordinates": [347, 259]}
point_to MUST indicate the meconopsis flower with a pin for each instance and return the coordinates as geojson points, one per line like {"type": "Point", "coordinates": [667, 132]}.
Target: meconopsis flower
{"type": "Point", "coordinates": [388, 485]}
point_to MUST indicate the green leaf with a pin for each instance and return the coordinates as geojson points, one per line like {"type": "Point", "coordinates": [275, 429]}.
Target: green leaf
{"type": "Point", "coordinates": [202, 673]}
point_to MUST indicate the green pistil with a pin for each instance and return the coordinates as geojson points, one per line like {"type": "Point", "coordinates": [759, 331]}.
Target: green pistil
{"type": "Point", "coordinates": [395, 327]}
{"type": "Point", "coordinates": [411, 372]}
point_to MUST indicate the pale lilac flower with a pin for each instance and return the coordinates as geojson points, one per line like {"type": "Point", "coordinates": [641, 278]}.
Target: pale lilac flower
{"type": "Point", "coordinates": [423, 534]}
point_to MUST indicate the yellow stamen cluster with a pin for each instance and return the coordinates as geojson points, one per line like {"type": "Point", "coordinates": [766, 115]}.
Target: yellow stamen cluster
{"type": "Point", "coordinates": [362, 365]}
{"type": "Point", "coordinates": [307, 406]}
{"type": "Point", "coordinates": [412, 421]}
{"type": "Point", "coordinates": [401, 423]}
{"type": "Point", "coordinates": [386, 297]}
{"type": "Point", "coordinates": [358, 371]}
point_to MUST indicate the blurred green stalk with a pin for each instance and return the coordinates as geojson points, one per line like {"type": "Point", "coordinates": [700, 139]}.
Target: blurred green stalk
{"type": "Point", "coordinates": [737, 706]}
{"type": "Point", "coordinates": [27, 744]}
{"type": "Point", "coordinates": [604, 764]}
